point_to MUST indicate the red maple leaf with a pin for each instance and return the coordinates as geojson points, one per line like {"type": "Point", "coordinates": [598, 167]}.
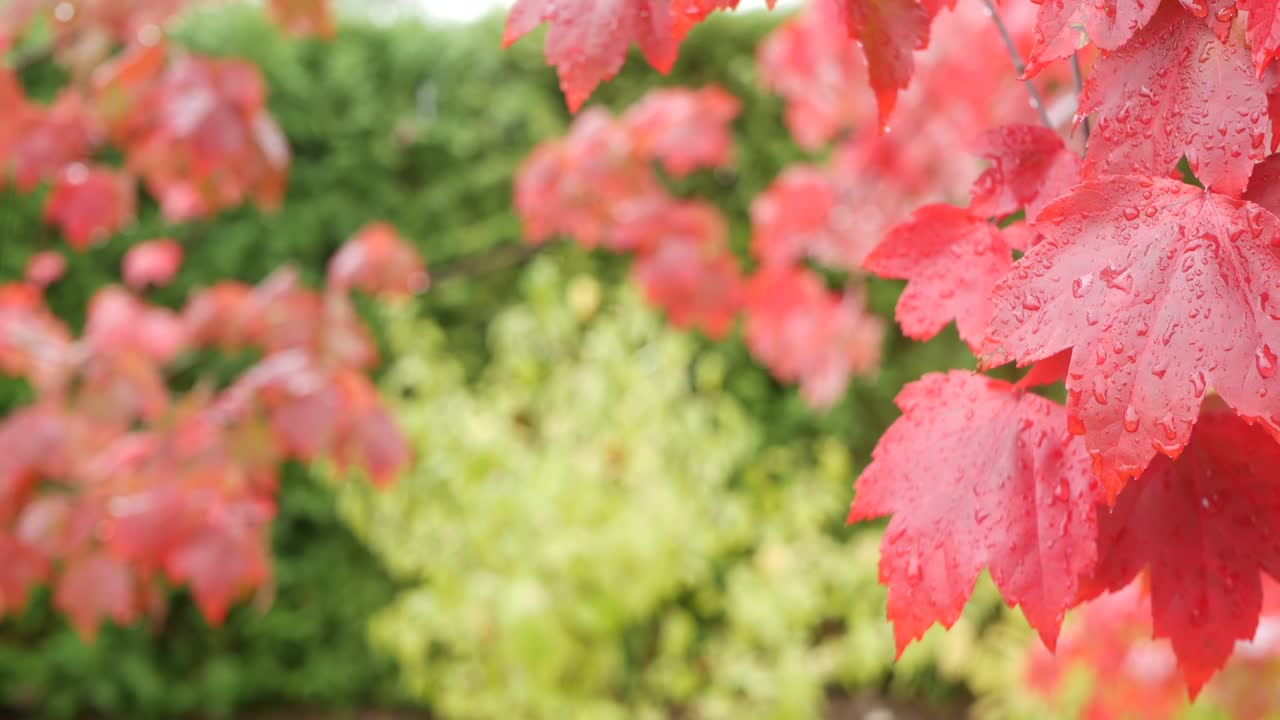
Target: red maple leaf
{"type": "Point", "coordinates": [200, 137]}
{"type": "Point", "coordinates": [588, 39]}
{"type": "Point", "coordinates": [890, 32]}
{"type": "Point", "coordinates": [45, 268]}
{"type": "Point", "coordinates": [22, 570]}
{"type": "Point", "coordinates": [977, 473]}
{"type": "Point", "coordinates": [952, 261]}
{"type": "Point", "coordinates": [576, 186]}
{"type": "Point", "coordinates": [687, 13]}
{"type": "Point", "coordinates": [379, 261]}
{"type": "Point", "coordinates": [1030, 166]}
{"type": "Point", "coordinates": [1264, 185]}
{"type": "Point", "coordinates": [1263, 31]}
{"type": "Point", "coordinates": [153, 262]}
{"type": "Point", "coordinates": [804, 333]}
{"type": "Point", "coordinates": [1108, 23]}
{"type": "Point", "coordinates": [1205, 527]}
{"type": "Point", "coordinates": [685, 130]}
{"type": "Point", "coordinates": [811, 62]}
{"type": "Point", "coordinates": [1111, 638]}
{"type": "Point", "coordinates": [89, 204]}
{"type": "Point", "coordinates": [94, 588]}
{"type": "Point", "coordinates": [1177, 89]}
{"type": "Point", "coordinates": [685, 267]}
{"type": "Point", "coordinates": [1162, 290]}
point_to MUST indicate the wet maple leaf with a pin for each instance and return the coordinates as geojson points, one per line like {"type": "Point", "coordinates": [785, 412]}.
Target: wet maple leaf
{"type": "Point", "coordinates": [952, 260]}
{"type": "Point", "coordinates": [1162, 290]}
{"type": "Point", "coordinates": [1177, 89]}
{"type": "Point", "coordinates": [89, 204]}
{"type": "Point", "coordinates": [890, 32]}
{"type": "Point", "coordinates": [1109, 24]}
{"type": "Point", "coordinates": [588, 39]}
{"type": "Point", "coordinates": [1205, 527]}
{"type": "Point", "coordinates": [687, 13]}
{"type": "Point", "coordinates": [1002, 486]}
{"type": "Point", "coordinates": [154, 262]}
{"type": "Point", "coordinates": [1030, 166]}
{"type": "Point", "coordinates": [379, 261]}
{"type": "Point", "coordinates": [685, 130]}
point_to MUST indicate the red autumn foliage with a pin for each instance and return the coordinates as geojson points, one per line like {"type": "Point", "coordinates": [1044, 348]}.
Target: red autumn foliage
{"type": "Point", "coordinates": [1083, 249]}
{"type": "Point", "coordinates": [112, 484]}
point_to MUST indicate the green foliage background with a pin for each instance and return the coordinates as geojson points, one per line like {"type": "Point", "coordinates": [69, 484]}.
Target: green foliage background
{"type": "Point", "coordinates": [425, 127]}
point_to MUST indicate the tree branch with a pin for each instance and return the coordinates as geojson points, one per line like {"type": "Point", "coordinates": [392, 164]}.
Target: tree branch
{"type": "Point", "coordinates": [484, 262]}
{"type": "Point", "coordinates": [1078, 78]}
{"type": "Point", "coordinates": [1019, 66]}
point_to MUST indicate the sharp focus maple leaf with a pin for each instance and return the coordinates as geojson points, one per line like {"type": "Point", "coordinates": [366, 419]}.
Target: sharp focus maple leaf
{"type": "Point", "coordinates": [588, 39]}
{"type": "Point", "coordinates": [153, 262]}
{"type": "Point", "coordinates": [890, 31]}
{"type": "Point", "coordinates": [1030, 166]}
{"type": "Point", "coordinates": [952, 261]}
{"type": "Point", "coordinates": [89, 204]}
{"type": "Point", "coordinates": [977, 473]}
{"type": "Point", "coordinates": [1205, 526]}
{"type": "Point", "coordinates": [1177, 89]}
{"type": "Point", "coordinates": [1162, 290]}
{"type": "Point", "coordinates": [1109, 24]}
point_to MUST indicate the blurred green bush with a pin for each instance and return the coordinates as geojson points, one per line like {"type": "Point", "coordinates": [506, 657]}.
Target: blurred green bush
{"type": "Point", "coordinates": [425, 127]}
{"type": "Point", "coordinates": [594, 529]}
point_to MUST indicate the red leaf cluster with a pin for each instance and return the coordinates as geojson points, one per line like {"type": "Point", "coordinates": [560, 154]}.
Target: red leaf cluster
{"type": "Point", "coordinates": [599, 186]}
{"type": "Point", "coordinates": [1154, 299]}
{"type": "Point", "coordinates": [111, 484]}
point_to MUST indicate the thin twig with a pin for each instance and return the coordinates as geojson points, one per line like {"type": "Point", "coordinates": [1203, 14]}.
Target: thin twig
{"type": "Point", "coordinates": [484, 262]}
{"type": "Point", "coordinates": [1018, 65]}
{"type": "Point", "coordinates": [1078, 78]}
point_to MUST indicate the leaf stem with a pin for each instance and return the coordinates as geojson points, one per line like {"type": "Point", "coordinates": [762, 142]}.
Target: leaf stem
{"type": "Point", "coordinates": [1078, 78]}
{"type": "Point", "coordinates": [1019, 66]}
